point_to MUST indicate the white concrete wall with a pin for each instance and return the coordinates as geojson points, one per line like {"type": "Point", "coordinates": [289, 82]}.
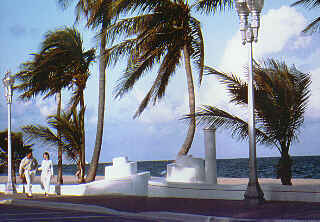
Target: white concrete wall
{"type": "Point", "coordinates": [159, 187]}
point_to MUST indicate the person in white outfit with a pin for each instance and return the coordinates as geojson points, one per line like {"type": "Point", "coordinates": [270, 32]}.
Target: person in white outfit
{"type": "Point", "coordinates": [27, 170]}
{"type": "Point", "coordinates": [46, 172]}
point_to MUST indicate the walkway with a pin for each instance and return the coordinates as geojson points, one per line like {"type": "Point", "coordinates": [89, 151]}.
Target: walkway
{"type": "Point", "coordinates": [174, 209]}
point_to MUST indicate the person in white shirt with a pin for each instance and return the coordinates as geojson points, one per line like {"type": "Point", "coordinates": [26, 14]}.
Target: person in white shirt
{"type": "Point", "coordinates": [27, 169]}
{"type": "Point", "coordinates": [46, 172]}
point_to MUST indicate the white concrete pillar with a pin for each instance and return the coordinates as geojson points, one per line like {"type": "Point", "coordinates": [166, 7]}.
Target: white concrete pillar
{"type": "Point", "coordinates": [210, 155]}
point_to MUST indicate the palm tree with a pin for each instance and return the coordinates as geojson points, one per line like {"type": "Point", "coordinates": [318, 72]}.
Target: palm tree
{"type": "Point", "coordinates": [164, 35]}
{"type": "Point", "coordinates": [281, 94]}
{"type": "Point", "coordinates": [99, 14]}
{"type": "Point", "coordinates": [70, 137]}
{"type": "Point", "coordinates": [61, 63]}
{"type": "Point", "coordinates": [310, 4]}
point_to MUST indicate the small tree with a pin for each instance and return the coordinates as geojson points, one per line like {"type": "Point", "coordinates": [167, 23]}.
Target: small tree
{"type": "Point", "coordinates": [19, 150]}
{"type": "Point", "coordinates": [68, 124]}
{"type": "Point", "coordinates": [62, 63]}
{"type": "Point", "coordinates": [281, 99]}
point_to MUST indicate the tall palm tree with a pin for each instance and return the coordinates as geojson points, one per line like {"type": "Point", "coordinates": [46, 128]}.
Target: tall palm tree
{"type": "Point", "coordinates": [61, 63]}
{"type": "Point", "coordinates": [281, 94]}
{"type": "Point", "coordinates": [314, 26]}
{"type": "Point", "coordinates": [98, 14]}
{"type": "Point", "coordinates": [70, 138]}
{"type": "Point", "coordinates": [165, 35]}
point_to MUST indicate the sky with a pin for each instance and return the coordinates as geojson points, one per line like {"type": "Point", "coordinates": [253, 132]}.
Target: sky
{"type": "Point", "coordinates": [159, 133]}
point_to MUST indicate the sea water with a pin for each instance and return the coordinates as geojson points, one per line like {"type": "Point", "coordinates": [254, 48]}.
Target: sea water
{"type": "Point", "coordinates": [303, 167]}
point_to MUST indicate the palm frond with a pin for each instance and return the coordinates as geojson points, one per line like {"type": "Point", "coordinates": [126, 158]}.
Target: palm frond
{"type": "Point", "coordinates": [313, 26]}
{"type": "Point", "coordinates": [309, 4]}
{"type": "Point", "coordinates": [212, 6]}
{"type": "Point", "coordinates": [211, 116]}
{"type": "Point", "coordinates": [197, 44]}
{"type": "Point", "coordinates": [41, 134]}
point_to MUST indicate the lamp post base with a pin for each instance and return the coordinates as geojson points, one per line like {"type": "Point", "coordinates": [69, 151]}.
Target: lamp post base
{"type": "Point", "coordinates": [10, 188]}
{"type": "Point", "coordinates": [254, 193]}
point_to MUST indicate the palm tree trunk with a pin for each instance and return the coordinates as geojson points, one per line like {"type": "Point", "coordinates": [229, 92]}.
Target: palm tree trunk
{"type": "Point", "coordinates": [83, 141]}
{"type": "Point", "coordinates": [284, 167]}
{"type": "Point", "coordinates": [192, 126]}
{"type": "Point", "coordinates": [59, 177]}
{"type": "Point", "coordinates": [97, 148]}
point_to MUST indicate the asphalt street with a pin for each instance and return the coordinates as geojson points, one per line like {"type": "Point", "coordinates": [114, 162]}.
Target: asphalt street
{"type": "Point", "coordinates": [29, 214]}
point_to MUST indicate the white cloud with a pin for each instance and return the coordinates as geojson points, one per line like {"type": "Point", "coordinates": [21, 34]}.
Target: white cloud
{"type": "Point", "coordinates": [302, 42]}
{"type": "Point", "coordinates": [278, 26]}
{"type": "Point", "coordinates": [46, 107]}
{"type": "Point", "coordinates": [280, 29]}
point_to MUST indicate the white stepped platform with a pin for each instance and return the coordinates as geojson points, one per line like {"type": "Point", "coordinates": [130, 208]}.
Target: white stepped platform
{"type": "Point", "coordinates": [133, 185]}
{"type": "Point", "coordinates": [120, 178]}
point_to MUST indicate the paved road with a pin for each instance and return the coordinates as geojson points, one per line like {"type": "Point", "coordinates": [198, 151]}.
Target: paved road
{"type": "Point", "coordinates": [28, 214]}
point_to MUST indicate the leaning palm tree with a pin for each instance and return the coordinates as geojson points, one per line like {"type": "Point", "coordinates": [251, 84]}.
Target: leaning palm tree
{"type": "Point", "coordinates": [281, 99]}
{"type": "Point", "coordinates": [70, 136]}
{"type": "Point", "coordinates": [61, 63]}
{"type": "Point", "coordinates": [98, 14]}
{"type": "Point", "coordinates": [314, 26]}
{"type": "Point", "coordinates": [166, 34]}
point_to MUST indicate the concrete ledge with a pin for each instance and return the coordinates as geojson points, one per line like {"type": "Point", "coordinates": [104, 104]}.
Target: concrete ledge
{"type": "Point", "coordinates": [306, 190]}
{"type": "Point", "coordinates": [159, 187]}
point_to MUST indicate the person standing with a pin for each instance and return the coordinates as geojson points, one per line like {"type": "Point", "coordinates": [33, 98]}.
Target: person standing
{"type": "Point", "coordinates": [46, 172]}
{"type": "Point", "coordinates": [27, 169]}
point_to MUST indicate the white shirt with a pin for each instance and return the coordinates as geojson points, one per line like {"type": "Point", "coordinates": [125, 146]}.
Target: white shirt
{"type": "Point", "coordinates": [28, 164]}
{"type": "Point", "coordinates": [46, 167]}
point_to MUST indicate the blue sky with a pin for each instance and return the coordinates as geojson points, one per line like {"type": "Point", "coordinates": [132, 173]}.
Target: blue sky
{"type": "Point", "coordinates": [158, 133]}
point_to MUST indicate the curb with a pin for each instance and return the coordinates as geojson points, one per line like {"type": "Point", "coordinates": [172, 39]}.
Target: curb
{"type": "Point", "coordinates": [162, 215]}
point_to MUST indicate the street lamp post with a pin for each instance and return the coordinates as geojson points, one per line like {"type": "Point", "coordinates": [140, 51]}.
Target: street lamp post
{"type": "Point", "coordinates": [8, 81]}
{"type": "Point", "coordinates": [249, 33]}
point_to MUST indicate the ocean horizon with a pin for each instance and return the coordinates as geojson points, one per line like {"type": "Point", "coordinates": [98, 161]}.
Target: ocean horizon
{"type": "Point", "coordinates": [303, 167]}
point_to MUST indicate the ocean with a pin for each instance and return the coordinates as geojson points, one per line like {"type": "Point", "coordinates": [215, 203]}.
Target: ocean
{"type": "Point", "coordinates": [303, 167]}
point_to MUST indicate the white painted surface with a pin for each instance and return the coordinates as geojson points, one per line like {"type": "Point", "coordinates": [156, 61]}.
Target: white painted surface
{"type": "Point", "coordinates": [187, 169]}
{"type": "Point", "coordinates": [134, 185]}
{"type": "Point", "coordinates": [160, 187]}
{"type": "Point", "coordinates": [121, 170]}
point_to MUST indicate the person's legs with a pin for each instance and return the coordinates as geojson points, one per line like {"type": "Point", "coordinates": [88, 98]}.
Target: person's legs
{"type": "Point", "coordinates": [47, 184]}
{"type": "Point", "coordinates": [28, 176]}
{"type": "Point", "coordinates": [42, 178]}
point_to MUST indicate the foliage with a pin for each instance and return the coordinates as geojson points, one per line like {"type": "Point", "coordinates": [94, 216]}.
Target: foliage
{"type": "Point", "coordinates": [62, 63]}
{"type": "Point", "coordinates": [212, 6]}
{"type": "Point", "coordinates": [314, 26]}
{"type": "Point", "coordinates": [281, 99]}
{"type": "Point", "coordinates": [19, 149]}
{"type": "Point", "coordinates": [161, 36]}
{"type": "Point", "coordinates": [71, 135]}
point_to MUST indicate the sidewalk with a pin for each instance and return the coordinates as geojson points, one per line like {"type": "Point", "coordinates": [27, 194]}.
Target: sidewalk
{"type": "Point", "coordinates": [178, 209]}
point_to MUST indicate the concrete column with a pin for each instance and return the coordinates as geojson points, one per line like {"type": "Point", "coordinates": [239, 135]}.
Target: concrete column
{"type": "Point", "coordinates": [210, 155]}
